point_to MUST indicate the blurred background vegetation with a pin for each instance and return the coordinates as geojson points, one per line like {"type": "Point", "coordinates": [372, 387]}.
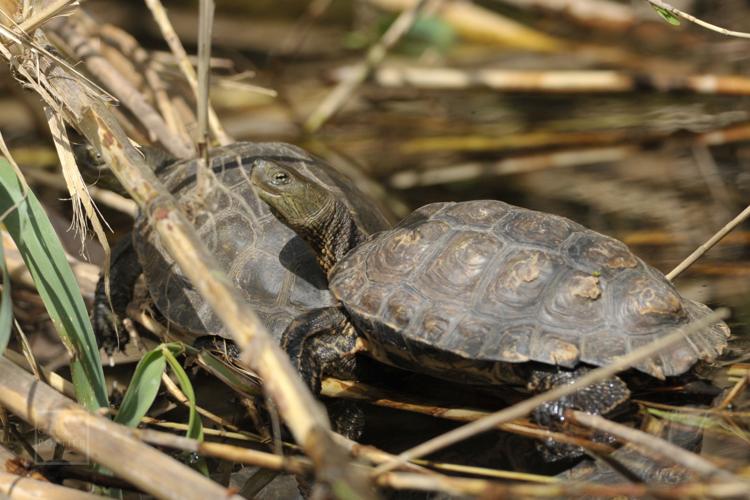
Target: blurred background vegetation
{"type": "Point", "coordinates": [598, 110]}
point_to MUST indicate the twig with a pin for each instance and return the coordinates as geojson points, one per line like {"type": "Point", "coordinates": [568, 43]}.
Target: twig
{"type": "Point", "coordinates": [170, 36]}
{"type": "Point", "coordinates": [655, 445]}
{"type": "Point", "coordinates": [375, 56]}
{"type": "Point", "coordinates": [100, 439]}
{"type": "Point", "coordinates": [295, 465]}
{"type": "Point", "coordinates": [335, 388]}
{"type": "Point", "coordinates": [13, 486]}
{"type": "Point", "coordinates": [205, 24]}
{"type": "Point", "coordinates": [738, 387]}
{"type": "Point", "coordinates": [525, 407]}
{"type": "Point", "coordinates": [494, 489]}
{"type": "Point", "coordinates": [677, 12]}
{"type": "Point", "coordinates": [300, 465]}
{"type": "Point", "coordinates": [183, 400]}
{"type": "Point", "coordinates": [705, 247]}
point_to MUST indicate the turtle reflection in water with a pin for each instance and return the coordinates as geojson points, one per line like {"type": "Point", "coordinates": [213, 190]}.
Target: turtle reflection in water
{"type": "Point", "coordinates": [481, 292]}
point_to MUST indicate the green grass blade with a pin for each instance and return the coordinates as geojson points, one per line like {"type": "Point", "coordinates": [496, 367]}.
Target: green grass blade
{"type": "Point", "coordinates": [44, 256]}
{"type": "Point", "coordinates": [143, 388]}
{"type": "Point", "coordinates": [195, 428]}
{"type": "Point", "coordinates": [6, 309]}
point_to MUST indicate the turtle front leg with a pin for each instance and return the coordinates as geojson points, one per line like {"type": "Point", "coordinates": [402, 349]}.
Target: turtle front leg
{"type": "Point", "coordinates": [322, 342]}
{"type": "Point", "coordinates": [599, 399]}
{"type": "Point", "coordinates": [124, 270]}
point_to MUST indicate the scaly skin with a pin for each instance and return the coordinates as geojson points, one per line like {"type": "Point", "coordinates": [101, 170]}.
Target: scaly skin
{"type": "Point", "coordinates": [310, 210]}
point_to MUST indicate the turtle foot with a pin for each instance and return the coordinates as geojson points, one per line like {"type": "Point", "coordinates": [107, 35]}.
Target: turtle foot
{"type": "Point", "coordinates": [600, 398]}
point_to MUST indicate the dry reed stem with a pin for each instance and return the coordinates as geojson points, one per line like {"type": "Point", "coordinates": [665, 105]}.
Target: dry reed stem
{"type": "Point", "coordinates": [375, 55]}
{"type": "Point", "coordinates": [735, 391]}
{"type": "Point", "coordinates": [301, 465]}
{"type": "Point", "coordinates": [347, 389]}
{"type": "Point", "coordinates": [51, 378]}
{"type": "Point", "coordinates": [294, 465]}
{"type": "Point", "coordinates": [260, 352]}
{"type": "Point", "coordinates": [100, 439]}
{"type": "Point", "coordinates": [493, 489]}
{"type": "Point", "coordinates": [551, 81]}
{"type": "Point", "coordinates": [173, 41]}
{"type": "Point", "coordinates": [130, 47]}
{"type": "Point", "coordinates": [705, 247]}
{"type": "Point", "coordinates": [25, 488]}
{"type": "Point", "coordinates": [85, 49]}
{"type": "Point", "coordinates": [656, 446]}
{"type": "Point", "coordinates": [525, 407]}
{"type": "Point", "coordinates": [510, 166]}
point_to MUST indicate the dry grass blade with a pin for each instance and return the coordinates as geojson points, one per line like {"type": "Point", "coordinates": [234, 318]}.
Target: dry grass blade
{"type": "Point", "coordinates": [47, 12]}
{"type": "Point", "coordinates": [525, 407]}
{"type": "Point", "coordinates": [698, 253]}
{"type": "Point", "coordinates": [170, 36]}
{"type": "Point", "coordinates": [205, 25]}
{"type": "Point", "coordinates": [100, 439]}
{"type": "Point", "coordinates": [83, 206]}
{"type": "Point", "coordinates": [375, 56]}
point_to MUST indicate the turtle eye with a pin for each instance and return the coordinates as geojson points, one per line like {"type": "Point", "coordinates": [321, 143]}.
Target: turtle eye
{"type": "Point", "coordinates": [280, 178]}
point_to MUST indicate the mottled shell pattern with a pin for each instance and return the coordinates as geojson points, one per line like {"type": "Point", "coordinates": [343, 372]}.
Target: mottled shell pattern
{"type": "Point", "coordinates": [487, 282]}
{"type": "Point", "coordinates": [274, 269]}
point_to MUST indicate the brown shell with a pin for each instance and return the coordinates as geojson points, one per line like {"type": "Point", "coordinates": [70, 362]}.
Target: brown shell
{"type": "Point", "coordinates": [273, 268]}
{"type": "Point", "coordinates": [490, 282]}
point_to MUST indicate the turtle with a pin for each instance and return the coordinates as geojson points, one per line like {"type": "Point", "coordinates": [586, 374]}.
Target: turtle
{"type": "Point", "coordinates": [273, 268]}
{"type": "Point", "coordinates": [481, 292]}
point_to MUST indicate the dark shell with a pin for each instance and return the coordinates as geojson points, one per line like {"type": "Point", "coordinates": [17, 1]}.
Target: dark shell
{"type": "Point", "coordinates": [489, 282]}
{"type": "Point", "coordinates": [267, 261]}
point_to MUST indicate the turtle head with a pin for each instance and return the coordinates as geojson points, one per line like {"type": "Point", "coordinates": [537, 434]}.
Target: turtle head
{"type": "Point", "coordinates": [295, 199]}
{"type": "Point", "coordinates": [309, 208]}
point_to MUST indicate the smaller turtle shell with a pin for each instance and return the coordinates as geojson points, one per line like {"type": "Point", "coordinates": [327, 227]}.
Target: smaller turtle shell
{"type": "Point", "coordinates": [275, 269]}
{"type": "Point", "coordinates": [488, 282]}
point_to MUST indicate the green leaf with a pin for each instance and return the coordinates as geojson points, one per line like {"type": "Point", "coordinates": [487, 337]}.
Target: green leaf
{"type": "Point", "coordinates": [195, 429]}
{"type": "Point", "coordinates": [143, 388]}
{"type": "Point", "coordinates": [666, 15]}
{"type": "Point", "coordinates": [239, 382]}
{"type": "Point", "coordinates": [6, 306]}
{"type": "Point", "coordinates": [44, 256]}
